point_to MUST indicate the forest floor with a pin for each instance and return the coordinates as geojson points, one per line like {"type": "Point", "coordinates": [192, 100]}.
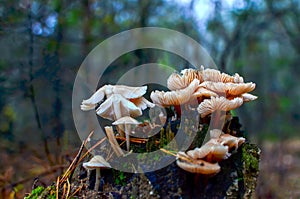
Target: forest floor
{"type": "Point", "coordinates": [279, 171]}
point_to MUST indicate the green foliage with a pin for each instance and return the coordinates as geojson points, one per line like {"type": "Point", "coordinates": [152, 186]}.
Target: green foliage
{"type": "Point", "coordinates": [119, 178]}
{"type": "Point", "coordinates": [250, 157]}
{"type": "Point", "coordinates": [35, 193]}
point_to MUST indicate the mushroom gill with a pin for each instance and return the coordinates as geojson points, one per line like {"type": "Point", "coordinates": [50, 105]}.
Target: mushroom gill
{"type": "Point", "coordinates": [180, 81]}
{"type": "Point", "coordinates": [229, 89]}
{"type": "Point", "coordinates": [216, 76]}
{"type": "Point", "coordinates": [208, 106]}
{"type": "Point", "coordinates": [176, 97]}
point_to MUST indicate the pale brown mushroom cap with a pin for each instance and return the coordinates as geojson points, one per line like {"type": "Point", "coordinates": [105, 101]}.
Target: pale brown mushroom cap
{"type": "Point", "coordinates": [180, 81]}
{"type": "Point", "coordinates": [96, 162]}
{"type": "Point", "coordinates": [216, 150]}
{"type": "Point", "coordinates": [203, 92]}
{"type": "Point", "coordinates": [177, 97]}
{"type": "Point", "coordinates": [218, 103]}
{"type": "Point", "coordinates": [216, 76]}
{"type": "Point", "coordinates": [231, 141]}
{"type": "Point", "coordinates": [117, 106]}
{"type": "Point", "coordinates": [198, 166]}
{"type": "Point", "coordinates": [229, 89]}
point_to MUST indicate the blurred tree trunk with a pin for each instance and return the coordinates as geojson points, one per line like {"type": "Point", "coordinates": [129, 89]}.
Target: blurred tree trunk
{"type": "Point", "coordinates": [58, 125]}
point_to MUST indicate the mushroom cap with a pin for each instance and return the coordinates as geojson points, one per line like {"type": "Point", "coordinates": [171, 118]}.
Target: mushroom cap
{"type": "Point", "coordinates": [216, 150]}
{"type": "Point", "coordinates": [96, 162]}
{"type": "Point", "coordinates": [203, 92]}
{"type": "Point", "coordinates": [128, 92]}
{"type": "Point", "coordinates": [198, 166]}
{"type": "Point", "coordinates": [218, 103]}
{"type": "Point", "coordinates": [116, 105]}
{"type": "Point", "coordinates": [90, 103]}
{"type": "Point", "coordinates": [176, 97]}
{"type": "Point", "coordinates": [231, 141]}
{"type": "Point", "coordinates": [229, 89]}
{"type": "Point", "coordinates": [126, 120]}
{"type": "Point", "coordinates": [247, 97]}
{"type": "Point", "coordinates": [179, 81]}
{"type": "Point", "coordinates": [216, 76]}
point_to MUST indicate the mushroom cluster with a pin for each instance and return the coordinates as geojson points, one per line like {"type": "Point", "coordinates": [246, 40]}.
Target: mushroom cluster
{"type": "Point", "coordinates": [215, 92]}
{"type": "Point", "coordinates": [204, 160]}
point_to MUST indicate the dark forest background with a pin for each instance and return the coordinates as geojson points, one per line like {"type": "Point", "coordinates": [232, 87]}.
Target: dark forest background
{"type": "Point", "coordinates": [43, 44]}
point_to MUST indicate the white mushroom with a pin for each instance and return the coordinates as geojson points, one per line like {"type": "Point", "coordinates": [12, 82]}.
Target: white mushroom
{"type": "Point", "coordinates": [97, 162]}
{"type": "Point", "coordinates": [116, 106]}
{"type": "Point", "coordinates": [127, 92]}
{"type": "Point", "coordinates": [177, 97]}
{"type": "Point", "coordinates": [127, 122]}
{"type": "Point", "coordinates": [247, 97]}
{"type": "Point", "coordinates": [218, 104]}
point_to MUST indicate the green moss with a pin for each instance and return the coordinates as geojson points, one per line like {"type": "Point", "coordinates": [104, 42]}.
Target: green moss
{"type": "Point", "coordinates": [41, 192]}
{"type": "Point", "coordinates": [250, 157]}
{"type": "Point", "coordinates": [35, 192]}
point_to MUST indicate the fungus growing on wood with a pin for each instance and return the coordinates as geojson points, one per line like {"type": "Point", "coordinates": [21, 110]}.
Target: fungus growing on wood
{"type": "Point", "coordinates": [218, 104]}
{"type": "Point", "coordinates": [212, 151]}
{"type": "Point", "coordinates": [231, 141]}
{"type": "Point", "coordinates": [229, 89]}
{"type": "Point", "coordinates": [189, 164]}
{"type": "Point", "coordinates": [176, 97]}
{"type": "Point", "coordinates": [184, 79]}
{"type": "Point", "coordinates": [216, 76]}
{"type": "Point", "coordinates": [127, 122]}
{"type": "Point", "coordinates": [97, 162]}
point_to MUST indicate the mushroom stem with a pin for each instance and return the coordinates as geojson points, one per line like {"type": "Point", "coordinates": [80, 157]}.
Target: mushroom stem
{"type": "Point", "coordinates": [98, 177]}
{"type": "Point", "coordinates": [217, 122]}
{"type": "Point", "coordinates": [127, 131]}
{"type": "Point", "coordinates": [118, 116]}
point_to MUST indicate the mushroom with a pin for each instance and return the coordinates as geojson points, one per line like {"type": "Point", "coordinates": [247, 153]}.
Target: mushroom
{"type": "Point", "coordinates": [186, 163]}
{"type": "Point", "coordinates": [216, 76]}
{"type": "Point", "coordinates": [247, 97]}
{"type": "Point", "coordinates": [229, 89]}
{"type": "Point", "coordinates": [231, 141]}
{"type": "Point", "coordinates": [127, 122]}
{"type": "Point", "coordinates": [176, 97]}
{"type": "Point", "coordinates": [142, 103]}
{"type": "Point", "coordinates": [218, 104]}
{"type": "Point", "coordinates": [116, 106]}
{"type": "Point", "coordinates": [204, 93]}
{"type": "Point", "coordinates": [127, 92]}
{"type": "Point", "coordinates": [211, 151]}
{"type": "Point", "coordinates": [180, 81]}
{"type": "Point", "coordinates": [97, 162]}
